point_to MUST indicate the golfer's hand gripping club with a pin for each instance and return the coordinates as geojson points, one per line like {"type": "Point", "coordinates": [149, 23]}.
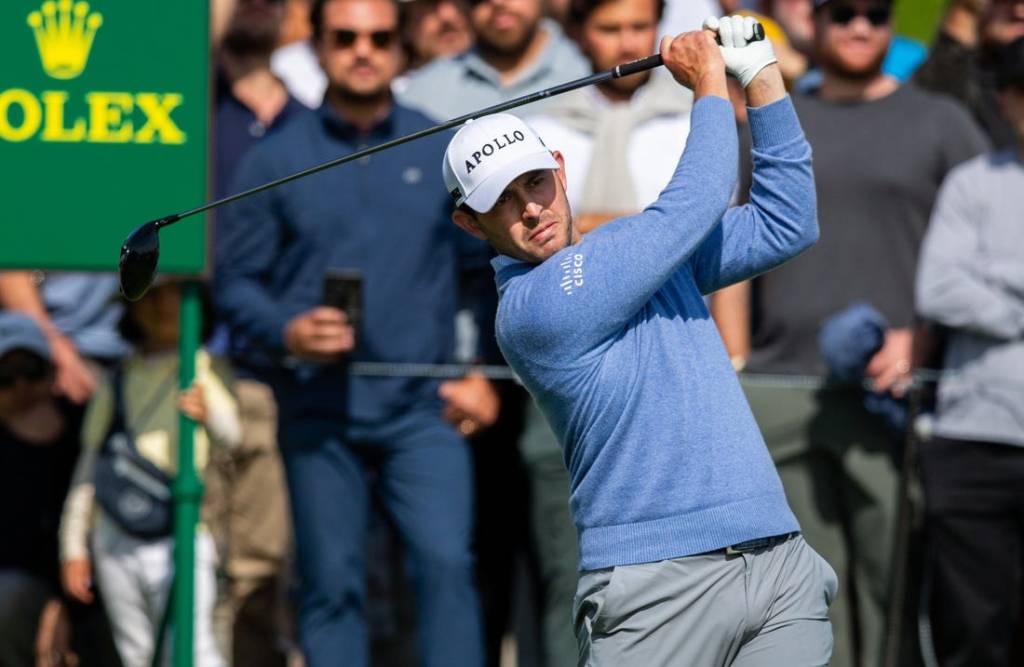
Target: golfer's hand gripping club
{"type": "Point", "coordinates": [744, 48]}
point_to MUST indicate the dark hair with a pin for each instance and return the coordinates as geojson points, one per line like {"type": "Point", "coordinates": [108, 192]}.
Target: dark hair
{"type": "Point", "coordinates": [580, 10]}
{"type": "Point", "coordinates": [133, 334]}
{"type": "Point", "coordinates": [1010, 65]}
{"type": "Point", "coordinates": [316, 18]}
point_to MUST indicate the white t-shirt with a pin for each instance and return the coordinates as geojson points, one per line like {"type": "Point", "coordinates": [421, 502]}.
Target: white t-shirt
{"type": "Point", "coordinates": [653, 153]}
{"type": "Point", "coordinates": [296, 64]}
{"type": "Point", "coordinates": [686, 15]}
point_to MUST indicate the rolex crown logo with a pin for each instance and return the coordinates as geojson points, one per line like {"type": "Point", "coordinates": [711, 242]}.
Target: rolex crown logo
{"type": "Point", "coordinates": [64, 31]}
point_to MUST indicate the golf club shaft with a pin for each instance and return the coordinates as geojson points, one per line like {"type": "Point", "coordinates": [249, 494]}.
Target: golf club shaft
{"type": "Point", "coordinates": [641, 65]}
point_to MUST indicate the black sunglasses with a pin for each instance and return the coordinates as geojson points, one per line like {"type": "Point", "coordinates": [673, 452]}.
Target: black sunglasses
{"type": "Point", "coordinates": [844, 14]}
{"type": "Point", "coordinates": [23, 366]}
{"type": "Point", "coordinates": [381, 39]}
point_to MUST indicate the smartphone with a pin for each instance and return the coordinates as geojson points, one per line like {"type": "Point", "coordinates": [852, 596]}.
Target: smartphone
{"type": "Point", "coordinates": [343, 289]}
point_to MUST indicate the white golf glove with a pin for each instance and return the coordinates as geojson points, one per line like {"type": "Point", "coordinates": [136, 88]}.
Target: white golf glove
{"type": "Point", "coordinates": [744, 58]}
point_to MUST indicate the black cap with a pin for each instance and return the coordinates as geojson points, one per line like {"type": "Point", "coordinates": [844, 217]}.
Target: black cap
{"type": "Point", "coordinates": [1010, 65]}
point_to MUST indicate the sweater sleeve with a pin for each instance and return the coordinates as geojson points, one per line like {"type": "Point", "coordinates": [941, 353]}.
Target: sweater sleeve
{"type": "Point", "coordinates": [223, 423]}
{"type": "Point", "coordinates": [76, 518]}
{"type": "Point", "coordinates": [249, 233]}
{"type": "Point", "coordinates": [581, 296]}
{"type": "Point", "coordinates": [780, 220]}
{"type": "Point", "coordinates": [955, 285]}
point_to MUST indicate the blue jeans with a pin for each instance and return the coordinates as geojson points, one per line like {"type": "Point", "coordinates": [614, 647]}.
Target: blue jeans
{"type": "Point", "coordinates": [424, 478]}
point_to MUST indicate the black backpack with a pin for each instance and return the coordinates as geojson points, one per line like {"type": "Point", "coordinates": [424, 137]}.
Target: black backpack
{"type": "Point", "coordinates": [134, 492]}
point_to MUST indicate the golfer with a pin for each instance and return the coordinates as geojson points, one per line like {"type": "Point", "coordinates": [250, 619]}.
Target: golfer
{"type": "Point", "coordinates": [689, 554]}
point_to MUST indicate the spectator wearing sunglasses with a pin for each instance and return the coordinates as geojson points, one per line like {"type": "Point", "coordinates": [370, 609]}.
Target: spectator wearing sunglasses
{"type": "Point", "coordinates": [965, 59]}
{"type": "Point", "coordinates": [795, 20]}
{"type": "Point", "coordinates": [878, 15]}
{"type": "Point", "coordinates": [881, 150]}
{"type": "Point", "coordinates": [38, 446]}
{"type": "Point", "coordinates": [348, 441]}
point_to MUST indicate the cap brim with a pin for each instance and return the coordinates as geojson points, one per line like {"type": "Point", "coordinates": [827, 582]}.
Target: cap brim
{"type": "Point", "coordinates": [483, 197]}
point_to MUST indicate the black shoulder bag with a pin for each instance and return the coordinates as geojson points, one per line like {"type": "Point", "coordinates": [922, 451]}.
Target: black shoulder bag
{"type": "Point", "coordinates": [134, 492]}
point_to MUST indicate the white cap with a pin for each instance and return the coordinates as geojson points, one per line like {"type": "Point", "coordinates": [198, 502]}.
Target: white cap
{"type": "Point", "coordinates": [489, 153]}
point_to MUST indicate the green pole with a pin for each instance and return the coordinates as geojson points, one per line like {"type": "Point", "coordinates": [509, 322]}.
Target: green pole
{"type": "Point", "coordinates": [188, 488]}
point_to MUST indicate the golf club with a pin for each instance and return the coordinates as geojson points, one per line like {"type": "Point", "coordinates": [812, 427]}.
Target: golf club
{"type": "Point", "coordinates": [140, 251]}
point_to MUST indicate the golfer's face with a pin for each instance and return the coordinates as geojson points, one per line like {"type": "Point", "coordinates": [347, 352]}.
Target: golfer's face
{"type": "Point", "coordinates": [530, 220]}
{"type": "Point", "coordinates": [359, 48]}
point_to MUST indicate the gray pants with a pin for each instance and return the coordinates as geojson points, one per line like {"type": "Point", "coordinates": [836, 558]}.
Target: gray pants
{"type": "Point", "coordinates": [763, 608]}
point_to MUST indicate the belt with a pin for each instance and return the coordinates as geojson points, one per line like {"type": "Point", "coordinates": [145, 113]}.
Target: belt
{"type": "Point", "coordinates": [758, 544]}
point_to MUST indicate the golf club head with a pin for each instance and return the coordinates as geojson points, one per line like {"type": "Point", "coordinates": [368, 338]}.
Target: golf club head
{"type": "Point", "coordinates": [140, 253]}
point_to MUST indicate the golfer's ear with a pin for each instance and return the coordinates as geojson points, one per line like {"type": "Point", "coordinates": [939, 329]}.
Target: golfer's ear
{"type": "Point", "coordinates": [467, 223]}
{"type": "Point", "coordinates": [561, 167]}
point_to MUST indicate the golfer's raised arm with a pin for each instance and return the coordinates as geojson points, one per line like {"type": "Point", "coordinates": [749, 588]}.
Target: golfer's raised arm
{"type": "Point", "coordinates": [781, 219]}
{"type": "Point", "coordinates": [617, 268]}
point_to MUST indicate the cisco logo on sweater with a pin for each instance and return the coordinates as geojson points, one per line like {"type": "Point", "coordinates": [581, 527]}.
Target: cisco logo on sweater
{"type": "Point", "coordinates": [572, 273]}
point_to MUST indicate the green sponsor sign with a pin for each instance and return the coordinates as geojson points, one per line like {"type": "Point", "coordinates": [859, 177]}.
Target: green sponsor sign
{"type": "Point", "coordinates": [103, 126]}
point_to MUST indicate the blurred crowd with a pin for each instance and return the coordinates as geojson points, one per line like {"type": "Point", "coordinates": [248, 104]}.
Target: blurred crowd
{"type": "Point", "coordinates": [397, 520]}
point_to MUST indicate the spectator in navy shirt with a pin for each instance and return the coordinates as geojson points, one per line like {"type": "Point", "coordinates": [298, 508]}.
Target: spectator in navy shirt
{"type": "Point", "coordinates": [342, 437]}
{"type": "Point", "coordinates": [246, 501]}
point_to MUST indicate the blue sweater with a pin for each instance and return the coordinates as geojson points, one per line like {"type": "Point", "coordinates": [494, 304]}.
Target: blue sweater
{"type": "Point", "coordinates": [613, 340]}
{"type": "Point", "coordinates": [386, 215]}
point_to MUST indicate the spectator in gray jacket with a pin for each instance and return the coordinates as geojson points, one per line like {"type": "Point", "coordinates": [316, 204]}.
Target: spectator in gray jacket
{"type": "Point", "coordinates": [516, 52]}
{"type": "Point", "coordinates": [971, 280]}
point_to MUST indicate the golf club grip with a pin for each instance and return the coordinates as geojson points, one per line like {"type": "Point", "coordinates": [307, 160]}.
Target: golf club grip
{"type": "Point", "coordinates": [650, 62]}
{"type": "Point", "coordinates": [640, 65]}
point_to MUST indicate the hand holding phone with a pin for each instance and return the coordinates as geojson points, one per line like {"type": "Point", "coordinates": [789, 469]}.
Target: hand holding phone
{"type": "Point", "coordinates": [321, 334]}
{"type": "Point", "coordinates": [343, 289]}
